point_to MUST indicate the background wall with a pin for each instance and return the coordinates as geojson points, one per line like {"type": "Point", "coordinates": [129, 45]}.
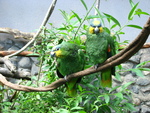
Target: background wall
{"type": "Point", "coordinates": [27, 15]}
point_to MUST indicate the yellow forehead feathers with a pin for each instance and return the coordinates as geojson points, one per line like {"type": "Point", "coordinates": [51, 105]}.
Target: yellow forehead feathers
{"type": "Point", "coordinates": [96, 22]}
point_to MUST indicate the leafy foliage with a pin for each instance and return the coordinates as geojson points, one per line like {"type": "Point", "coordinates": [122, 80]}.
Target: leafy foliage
{"type": "Point", "coordinates": [92, 98]}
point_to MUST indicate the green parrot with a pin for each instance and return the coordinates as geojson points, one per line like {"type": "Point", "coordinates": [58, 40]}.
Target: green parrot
{"type": "Point", "coordinates": [70, 59]}
{"type": "Point", "coordinates": [99, 47]}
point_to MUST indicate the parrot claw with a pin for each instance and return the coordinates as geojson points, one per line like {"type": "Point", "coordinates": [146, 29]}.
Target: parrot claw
{"type": "Point", "coordinates": [96, 66]}
{"type": "Point", "coordinates": [65, 78]}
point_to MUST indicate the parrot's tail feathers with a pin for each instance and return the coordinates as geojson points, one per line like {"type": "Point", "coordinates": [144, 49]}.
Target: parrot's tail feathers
{"type": "Point", "coordinates": [106, 78]}
{"type": "Point", "coordinates": [106, 83]}
{"type": "Point", "coordinates": [72, 92]}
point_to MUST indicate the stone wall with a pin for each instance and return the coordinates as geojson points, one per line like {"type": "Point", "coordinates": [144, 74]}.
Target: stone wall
{"type": "Point", "coordinates": [140, 88]}
{"type": "Point", "coordinates": [27, 64]}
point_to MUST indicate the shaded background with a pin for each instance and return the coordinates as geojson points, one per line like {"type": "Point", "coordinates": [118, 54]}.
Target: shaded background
{"type": "Point", "coordinates": [27, 16]}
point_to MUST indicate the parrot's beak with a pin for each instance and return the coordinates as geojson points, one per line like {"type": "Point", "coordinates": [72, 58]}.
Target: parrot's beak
{"type": "Point", "coordinates": [96, 30]}
{"type": "Point", "coordinates": [53, 54]}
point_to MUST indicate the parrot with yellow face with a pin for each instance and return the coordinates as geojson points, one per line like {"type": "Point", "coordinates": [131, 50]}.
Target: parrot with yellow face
{"type": "Point", "coordinates": [70, 59]}
{"type": "Point", "coordinates": [99, 47]}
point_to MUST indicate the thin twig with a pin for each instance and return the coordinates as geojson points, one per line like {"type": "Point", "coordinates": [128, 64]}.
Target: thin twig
{"type": "Point", "coordinates": [97, 6]}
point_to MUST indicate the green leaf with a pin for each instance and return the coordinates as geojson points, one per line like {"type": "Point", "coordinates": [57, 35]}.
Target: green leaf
{"type": "Point", "coordinates": [142, 64]}
{"type": "Point", "coordinates": [33, 54]}
{"type": "Point", "coordinates": [132, 12]}
{"type": "Point", "coordinates": [113, 26]}
{"type": "Point", "coordinates": [131, 3]}
{"type": "Point", "coordinates": [138, 72]}
{"type": "Point", "coordinates": [125, 86]}
{"type": "Point", "coordinates": [38, 97]}
{"type": "Point", "coordinates": [144, 69]}
{"type": "Point", "coordinates": [120, 95]}
{"type": "Point", "coordinates": [107, 98]}
{"type": "Point", "coordinates": [117, 76]}
{"type": "Point", "coordinates": [80, 88]}
{"type": "Point", "coordinates": [134, 26]}
{"type": "Point", "coordinates": [76, 108]}
{"type": "Point", "coordinates": [143, 13]}
{"type": "Point", "coordinates": [76, 15]}
{"type": "Point", "coordinates": [81, 112]}
{"type": "Point", "coordinates": [130, 106]}
{"type": "Point", "coordinates": [113, 19]}
{"type": "Point", "coordinates": [114, 88]}
{"type": "Point", "coordinates": [84, 4]}
{"type": "Point", "coordinates": [92, 16]}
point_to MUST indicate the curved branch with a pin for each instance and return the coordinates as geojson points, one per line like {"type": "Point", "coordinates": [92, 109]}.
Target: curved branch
{"type": "Point", "coordinates": [113, 61]}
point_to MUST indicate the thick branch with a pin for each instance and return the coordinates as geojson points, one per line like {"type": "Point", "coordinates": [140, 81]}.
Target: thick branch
{"type": "Point", "coordinates": [17, 34]}
{"type": "Point", "coordinates": [113, 61]}
{"type": "Point", "coordinates": [24, 53]}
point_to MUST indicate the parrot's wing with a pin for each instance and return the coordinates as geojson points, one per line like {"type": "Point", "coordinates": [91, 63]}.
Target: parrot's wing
{"type": "Point", "coordinates": [59, 74]}
{"type": "Point", "coordinates": [111, 51]}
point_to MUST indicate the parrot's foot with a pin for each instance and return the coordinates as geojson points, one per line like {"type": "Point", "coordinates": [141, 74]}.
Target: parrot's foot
{"type": "Point", "coordinates": [96, 66]}
{"type": "Point", "coordinates": [65, 78]}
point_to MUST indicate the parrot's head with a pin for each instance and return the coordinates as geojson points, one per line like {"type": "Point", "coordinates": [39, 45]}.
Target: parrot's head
{"type": "Point", "coordinates": [56, 51]}
{"type": "Point", "coordinates": [64, 50]}
{"type": "Point", "coordinates": [95, 27]}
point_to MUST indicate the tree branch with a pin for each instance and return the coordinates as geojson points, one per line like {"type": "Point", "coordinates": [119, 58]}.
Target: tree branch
{"type": "Point", "coordinates": [17, 34]}
{"type": "Point", "coordinates": [113, 61]}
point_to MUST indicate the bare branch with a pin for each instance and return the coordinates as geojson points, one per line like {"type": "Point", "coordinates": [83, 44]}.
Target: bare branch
{"type": "Point", "coordinates": [97, 6]}
{"type": "Point", "coordinates": [113, 61]}
{"type": "Point", "coordinates": [17, 34]}
{"type": "Point", "coordinates": [24, 53]}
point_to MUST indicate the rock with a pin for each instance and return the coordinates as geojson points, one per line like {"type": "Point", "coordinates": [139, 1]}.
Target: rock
{"type": "Point", "coordinates": [8, 43]}
{"type": "Point", "coordinates": [144, 51]}
{"type": "Point", "coordinates": [142, 81]}
{"type": "Point", "coordinates": [35, 60]}
{"type": "Point", "coordinates": [19, 44]}
{"type": "Point", "coordinates": [126, 66]}
{"type": "Point", "coordinates": [136, 101]}
{"type": "Point", "coordinates": [25, 62]}
{"type": "Point", "coordinates": [24, 70]}
{"type": "Point", "coordinates": [135, 89]}
{"type": "Point", "coordinates": [146, 73]}
{"type": "Point", "coordinates": [148, 104]}
{"type": "Point", "coordinates": [145, 109]}
{"type": "Point", "coordinates": [144, 58]}
{"type": "Point", "coordinates": [118, 81]}
{"type": "Point", "coordinates": [13, 48]}
{"type": "Point", "coordinates": [145, 89]}
{"type": "Point", "coordinates": [129, 78]}
{"type": "Point", "coordinates": [34, 69]}
{"type": "Point", "coordinates": [135, 59]}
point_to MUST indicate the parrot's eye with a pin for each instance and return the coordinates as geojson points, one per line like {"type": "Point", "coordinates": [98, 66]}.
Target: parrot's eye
{"type": "Point", "coordinates": [99, 25]}
{"type": "Point", "coordinates": [57, 49]}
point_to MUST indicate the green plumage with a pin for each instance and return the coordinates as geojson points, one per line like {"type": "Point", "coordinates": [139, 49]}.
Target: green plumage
{"type": "Point", "coordinates": [71, 60]}
{"type": "Point", "coordinates": [99, 48]}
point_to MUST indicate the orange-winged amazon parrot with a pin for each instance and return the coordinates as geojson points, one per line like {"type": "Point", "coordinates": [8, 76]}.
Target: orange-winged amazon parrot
{"type": "Point", "coordinates": [70, 59]}
{"type": "Point", "coordinates": [99, 47]}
